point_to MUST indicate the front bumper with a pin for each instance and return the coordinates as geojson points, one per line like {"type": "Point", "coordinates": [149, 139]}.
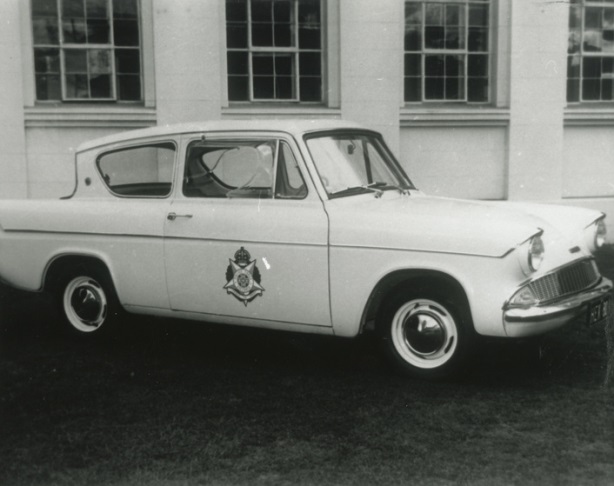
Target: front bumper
{"type": "Point", "coordinates": [529, 321]}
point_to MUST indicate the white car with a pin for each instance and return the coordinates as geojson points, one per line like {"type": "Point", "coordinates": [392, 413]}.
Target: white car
{"type": "Point", "coordinates": [309, 226]}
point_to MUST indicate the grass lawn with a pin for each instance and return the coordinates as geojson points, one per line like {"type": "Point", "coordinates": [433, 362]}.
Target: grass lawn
{"type": "Point", "coordinates": [174, 403]}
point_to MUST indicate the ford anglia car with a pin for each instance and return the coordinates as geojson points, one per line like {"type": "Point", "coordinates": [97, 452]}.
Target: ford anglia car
{"type": "Point", "coordinates": [308, 226]}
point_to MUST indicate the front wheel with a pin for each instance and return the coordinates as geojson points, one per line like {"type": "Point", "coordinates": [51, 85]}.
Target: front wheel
{"type": "Point", "coordinates": [88, 303]}
{"type": "Point", "coordinates": [426, 336]}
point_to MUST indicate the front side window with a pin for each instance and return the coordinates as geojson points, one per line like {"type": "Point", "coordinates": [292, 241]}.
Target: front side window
{"type": "Point", "coordinates": [590, 61]}
{"type": "Point", "coordinates": [86, 50]}
{"type": "Point", "coordinates": [447, 51]}
{"type": "Point", "coordinates": [355, 163]}
{"type": "Point", "coordinates": [274, 50]}
{"type": "Point", "coordinates": [143, 171]}
{"type": "Point", "coordinates": [243, 169]}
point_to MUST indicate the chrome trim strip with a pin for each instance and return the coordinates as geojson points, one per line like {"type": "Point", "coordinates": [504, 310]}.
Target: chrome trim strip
{"type": "Point", "coordinates": [415, 250]}
{"type": "Point", "coordinates": [160, 237]}
{"type": "Point", "coordinates": [79, 233]}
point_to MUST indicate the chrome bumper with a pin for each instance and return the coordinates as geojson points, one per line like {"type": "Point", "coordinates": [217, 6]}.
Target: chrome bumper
{"type": "Point", "coordinates": [529, 321]}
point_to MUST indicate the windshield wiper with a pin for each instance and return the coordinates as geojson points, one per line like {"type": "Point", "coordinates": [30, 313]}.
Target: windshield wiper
{"type": "Point", "coordinates": [376, 187]}
{"type": "Point", "coordinates": [372, 187]}
{"type": "Point", "coordinates": [388, 185]}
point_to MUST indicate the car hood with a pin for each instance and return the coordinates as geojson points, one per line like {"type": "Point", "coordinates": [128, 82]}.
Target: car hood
{"type": "Point", "coordinates": [435, 224]}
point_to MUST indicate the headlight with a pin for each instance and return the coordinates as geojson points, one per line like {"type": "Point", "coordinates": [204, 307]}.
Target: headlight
{"type": "Point", "coordinates": [536, 253]}
{"type": "Point", "coordinates": [595, 235]}
{"type": "Point", "coordinates": [600, 234]}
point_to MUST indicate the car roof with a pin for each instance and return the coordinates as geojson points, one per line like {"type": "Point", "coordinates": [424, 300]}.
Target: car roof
{"type": "Point", "coordinates": [296, 127]}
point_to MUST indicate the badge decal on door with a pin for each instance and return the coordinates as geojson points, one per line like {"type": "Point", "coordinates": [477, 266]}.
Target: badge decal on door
{"type": "Point", "coordinates": [243, 277]}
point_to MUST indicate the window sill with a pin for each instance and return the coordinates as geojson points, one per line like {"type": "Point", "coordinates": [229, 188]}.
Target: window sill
{"type": "Point", "coordinates": [89, 116]}
{"type": "Point", "coordinates": [584, 115]}
{"type": "Point", "coordinates": [448, 116]}
{"type": "Point", "coordinates": [238, 112]}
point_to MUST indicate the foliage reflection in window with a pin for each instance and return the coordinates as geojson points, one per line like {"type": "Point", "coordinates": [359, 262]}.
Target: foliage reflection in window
{"type": "Point", "coordinates": [590, 61]}
{"type": "Point", "coordinates": [86, 50]}
{"type": "Point", "coordinates": [447, 51]}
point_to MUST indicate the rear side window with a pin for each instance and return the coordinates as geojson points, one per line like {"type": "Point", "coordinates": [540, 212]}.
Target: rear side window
{"type": "Point", "coordinates": [143, 171]}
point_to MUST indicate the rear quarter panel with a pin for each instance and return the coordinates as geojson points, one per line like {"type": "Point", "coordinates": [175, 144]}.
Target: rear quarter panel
{"type": "Point", "coordinates": [125, 234]}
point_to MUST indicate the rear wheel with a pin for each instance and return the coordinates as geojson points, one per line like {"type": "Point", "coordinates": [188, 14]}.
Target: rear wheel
{"type": "Point", "coordinates": [425, 335]}
{"type": "Point", "coordinates": [88, 302]}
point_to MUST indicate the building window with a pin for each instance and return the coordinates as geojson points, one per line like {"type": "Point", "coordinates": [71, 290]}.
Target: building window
{"type": "Point", "coordinates": [447, 51]}
{"type": "Point", "coordinates": [274, 50]}
{"type": "Point", "coordinates": [590, 61]}
{"type": "Point", "coordinates": [87, 50]}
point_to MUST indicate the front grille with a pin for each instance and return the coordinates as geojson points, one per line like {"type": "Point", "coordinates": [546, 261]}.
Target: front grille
{"type": "Point", "coordinates": [565, 281]}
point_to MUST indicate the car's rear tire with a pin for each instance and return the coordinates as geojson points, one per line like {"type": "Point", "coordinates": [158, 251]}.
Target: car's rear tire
{"type": "Point", "coordinates": [425, 334]}
{"type": "Point", "coordinates": [88, 303]}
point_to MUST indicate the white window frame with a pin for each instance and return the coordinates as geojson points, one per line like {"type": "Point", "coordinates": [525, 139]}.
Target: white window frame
{"type": "Point", "coordinates": [464, 52]}
{"type": "Point", "coordinates": [581, 54]}
{"type": "Point", "coordinates": [295, 51]}
{"type": "Point", "coordinates": [144, 12]}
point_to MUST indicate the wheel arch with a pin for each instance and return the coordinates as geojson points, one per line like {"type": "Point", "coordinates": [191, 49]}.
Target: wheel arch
{"type": "Point", "coordinates": [59, 263]}
{"type": "Point", "coordinates": [412, 278]}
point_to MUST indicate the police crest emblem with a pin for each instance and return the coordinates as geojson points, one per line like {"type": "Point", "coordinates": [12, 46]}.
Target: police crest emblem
{"type": "Point", "coordinates": [243, 277]}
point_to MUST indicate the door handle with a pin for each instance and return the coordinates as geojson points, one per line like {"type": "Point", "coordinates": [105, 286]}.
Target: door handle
{"type": "Point", "coordinates": [174, 216]}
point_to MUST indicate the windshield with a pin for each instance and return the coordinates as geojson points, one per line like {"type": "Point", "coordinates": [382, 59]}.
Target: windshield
{"type": "Point", "coordinates": [355, 163]}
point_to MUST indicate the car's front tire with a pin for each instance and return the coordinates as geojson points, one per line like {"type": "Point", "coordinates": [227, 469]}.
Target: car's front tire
{"type": "Point", "coordinates": [88, 303]}
{"type": "Point", "coordinates": [426, 335]}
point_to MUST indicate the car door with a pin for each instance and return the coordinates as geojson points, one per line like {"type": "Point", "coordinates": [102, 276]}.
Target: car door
{"type": "Point", "coordinates": [246, 236]}
{"type": "Point", "coordinates": [127, 212]}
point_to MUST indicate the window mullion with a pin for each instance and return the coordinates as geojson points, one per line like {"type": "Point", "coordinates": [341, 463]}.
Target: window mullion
{"type": "Point", "coordinates": [297, 58]}
{"type": "Point", "coordinates": [422, 48]}
{"type": "Point", "coordinates": [250, 70]}
{"type": "Point", "coordinates": [89, 74]}
{"type": "Point", "coordinates": [87, 46]}
{"type": "Point", "coordinates": [277, 49]}
{"type": "Point", "coordinates": [61, 49]}
{"type": "Point", "coordinates": [582, 54]}
{"type": "Point", "coordinates": [448, 52]}
{"type": "Point", "coordinates": [297, 84]}
{"type": "Point", "coordinates": [87, 53]}
{"type": "Point", "coordinates": [466, 78]}
{"type": "Point", "coordinates": [466, 53]}
{"type": "Point", "coordinates": [112, 48]}
{"type": "Point", "coordinates": [60, 27]}
{"type": "Point", "coordinates": [63, 75]}
{"type": "Point", "coordinates": [273, 47]}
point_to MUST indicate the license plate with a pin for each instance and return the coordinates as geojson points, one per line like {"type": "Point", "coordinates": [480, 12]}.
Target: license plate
{"type": "Point", "coordinates": [598, 311]}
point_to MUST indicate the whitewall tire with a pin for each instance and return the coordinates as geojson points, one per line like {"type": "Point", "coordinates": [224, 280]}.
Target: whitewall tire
{"type": "Point", "coordinates": [426, 336]}
{"type": "Point", "coordinates": [88, 302]}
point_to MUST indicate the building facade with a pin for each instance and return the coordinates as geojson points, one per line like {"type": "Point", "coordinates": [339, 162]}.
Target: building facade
{"type": "Point", "coordinates": [481, 99]}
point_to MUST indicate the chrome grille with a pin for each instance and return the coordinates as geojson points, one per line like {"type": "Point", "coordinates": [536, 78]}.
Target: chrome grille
{"type": "Point", "coordinates": [567, 280]}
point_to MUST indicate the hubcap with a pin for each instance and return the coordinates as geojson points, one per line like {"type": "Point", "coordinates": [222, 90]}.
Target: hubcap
{"type": "Point", "coordinates": [424, 333]}
{"type": "Point", "coordinates": [85, 304]}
